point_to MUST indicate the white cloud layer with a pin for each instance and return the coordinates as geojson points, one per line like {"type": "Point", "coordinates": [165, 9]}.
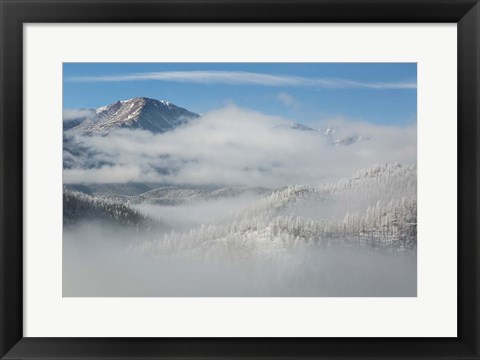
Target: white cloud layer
{"type": "Point", "coordinates": [73, 114]}
{"type": "Point", "coordinates": [235, 146]}
{"type": "Point", "coordinates": [246, 78]}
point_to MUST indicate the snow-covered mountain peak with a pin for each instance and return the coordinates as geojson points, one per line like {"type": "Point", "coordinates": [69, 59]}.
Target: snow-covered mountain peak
{"type": "Point", "coordinates": [144, 113]}
{"type": "Point", "coordinates": [111, 107]}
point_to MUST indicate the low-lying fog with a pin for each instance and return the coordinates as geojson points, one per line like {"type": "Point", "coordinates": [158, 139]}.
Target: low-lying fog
{"type": "Point", "coordinates": [193, 214]}
{"type": "Point", "coordinates": [356, 237]}
{"type": "Point", "coordinates": [102, 261]}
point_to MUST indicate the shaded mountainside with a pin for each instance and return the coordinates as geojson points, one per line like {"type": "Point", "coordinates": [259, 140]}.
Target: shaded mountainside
{"type": "Point", "coordinates": [80, 207]}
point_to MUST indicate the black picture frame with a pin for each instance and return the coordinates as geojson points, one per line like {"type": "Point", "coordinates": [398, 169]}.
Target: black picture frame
{"type": "Point", "coordinates": [14, 13]}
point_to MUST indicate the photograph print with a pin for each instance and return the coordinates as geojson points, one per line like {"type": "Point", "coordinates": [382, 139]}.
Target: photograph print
{"type": "Point", "coordinates": [239, 180]}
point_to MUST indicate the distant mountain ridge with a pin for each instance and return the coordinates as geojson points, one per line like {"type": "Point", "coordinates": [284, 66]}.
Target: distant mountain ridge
{"type": "Point", "coordinates": [330, 133]}
{"type": "Point", "coordinates": [157, 116]}
{"type": "Point", "coordinates": [161, 194]}
{"type": "Point", "coordinates": [293, 126]}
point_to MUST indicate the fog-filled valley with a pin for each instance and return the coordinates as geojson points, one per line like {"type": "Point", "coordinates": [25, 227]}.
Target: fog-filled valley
{"type": "Point", "coordinates": [355, 237]}
{"type": "Point", "coordinates": [161, 201]}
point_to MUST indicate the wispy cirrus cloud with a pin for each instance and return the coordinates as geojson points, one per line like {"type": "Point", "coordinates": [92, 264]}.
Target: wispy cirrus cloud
{"type": "Point", "coordinates": [246, 78]}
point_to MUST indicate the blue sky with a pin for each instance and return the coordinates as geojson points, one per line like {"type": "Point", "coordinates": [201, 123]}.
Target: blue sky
{"type": "Point", "coordinates": [381, 93]}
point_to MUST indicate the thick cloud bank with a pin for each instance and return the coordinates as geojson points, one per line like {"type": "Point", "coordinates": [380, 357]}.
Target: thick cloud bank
{"type": "Point", "coordinates": [234, 146]}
